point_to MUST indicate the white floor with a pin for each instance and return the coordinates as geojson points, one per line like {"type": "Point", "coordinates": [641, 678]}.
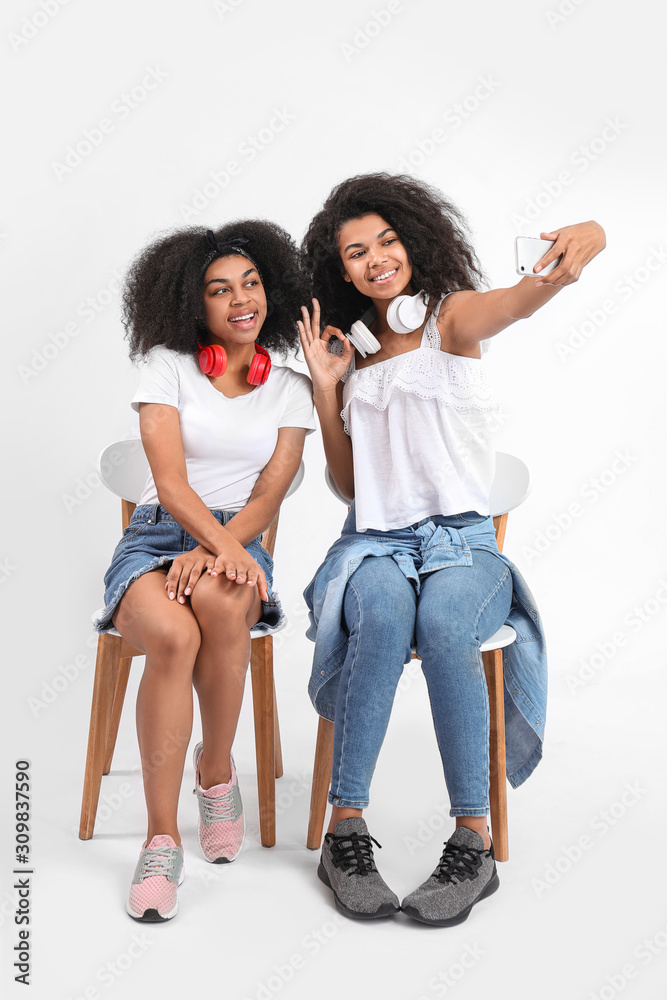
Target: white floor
{"type": "Point", "coordinates": [582, 891]}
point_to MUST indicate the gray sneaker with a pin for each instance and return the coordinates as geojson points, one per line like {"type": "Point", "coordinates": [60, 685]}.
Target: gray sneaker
{"type": "Point", "coordinates": [465, 874]}
{"type": "Point", "coordinates": [348, 868]}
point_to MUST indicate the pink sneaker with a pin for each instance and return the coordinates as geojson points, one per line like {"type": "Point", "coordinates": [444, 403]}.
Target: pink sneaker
{"type": "Point", "coordinates": [221, 826]}
{"type": "Point", "coordinates": [158, 873]}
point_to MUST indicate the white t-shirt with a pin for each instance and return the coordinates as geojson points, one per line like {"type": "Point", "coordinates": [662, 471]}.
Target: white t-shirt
{"type": "Point", "coordinates": [227, 442]}
{"type": "Point", "coordinates": [421, 426]}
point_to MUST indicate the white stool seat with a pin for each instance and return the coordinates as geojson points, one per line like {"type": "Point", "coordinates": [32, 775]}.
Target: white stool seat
{"type": "Point", "coordinates": [505, 636]}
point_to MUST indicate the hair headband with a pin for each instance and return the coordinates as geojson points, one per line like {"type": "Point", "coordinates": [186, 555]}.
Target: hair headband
{"type": "Point", "coordinates": [225, 248]}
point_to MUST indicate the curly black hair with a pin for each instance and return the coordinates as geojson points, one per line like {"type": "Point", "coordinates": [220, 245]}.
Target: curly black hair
{"type": "Point", "coordinates": [431, 228]}
{"type": "Point", "coordinates": [162, 293]}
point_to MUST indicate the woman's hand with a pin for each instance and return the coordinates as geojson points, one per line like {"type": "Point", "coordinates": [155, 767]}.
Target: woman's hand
{"type": "Point", "coordinates": [578, 244]}
{"type": "Point", "coordinates": [185, 570]}
{"type": "Point", "coordinates": [234, 562]}
{"type": "Point", "coordinates": [326, 370]}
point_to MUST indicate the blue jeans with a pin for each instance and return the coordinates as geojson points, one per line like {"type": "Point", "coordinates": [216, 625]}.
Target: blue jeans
{"type": "Point", "coordinates": [458, 608]}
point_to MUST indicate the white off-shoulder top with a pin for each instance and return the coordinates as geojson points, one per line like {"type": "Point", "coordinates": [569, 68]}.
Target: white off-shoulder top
{"type": "Point", "coordinates": [421, 426]}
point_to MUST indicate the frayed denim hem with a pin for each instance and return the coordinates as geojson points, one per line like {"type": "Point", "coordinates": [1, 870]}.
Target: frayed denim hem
{"type": "Point", "coordinates": [104, 623]}
{"type": "Point", "coordinates": [266, 625]}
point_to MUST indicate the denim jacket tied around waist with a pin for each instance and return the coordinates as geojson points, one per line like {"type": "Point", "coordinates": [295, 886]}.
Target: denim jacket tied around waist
{"type": "Point", "coordinates": [524, 661]}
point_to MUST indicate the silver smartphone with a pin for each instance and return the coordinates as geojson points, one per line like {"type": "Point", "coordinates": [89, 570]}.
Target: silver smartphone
{"type": "Point", "coordinates": [527, 252]}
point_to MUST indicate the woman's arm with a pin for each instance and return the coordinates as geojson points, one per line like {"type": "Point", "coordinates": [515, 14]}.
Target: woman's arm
{"type": "Point", "coordinates": [252, 520]}
{"type": "Point", "coordinates": [271, 486]}
{"type": "Point", "coordinates": [337, 444]}
{"type": "Point", "coordinates": [467, 317]}
{"type": "Point", "coordinates": [161, 437]}
{"type": "Point", "coordinates": [326, 371]}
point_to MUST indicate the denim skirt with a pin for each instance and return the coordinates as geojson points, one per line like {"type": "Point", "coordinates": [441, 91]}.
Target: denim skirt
{"type": "Point", "coordinates": [152, 539]}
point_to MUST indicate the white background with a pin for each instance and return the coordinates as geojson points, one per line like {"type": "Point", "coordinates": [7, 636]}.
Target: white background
{"type": "Point", "coordinates": [536, 92]}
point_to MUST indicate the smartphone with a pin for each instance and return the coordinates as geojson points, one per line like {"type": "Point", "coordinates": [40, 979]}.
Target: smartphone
{"type": "Point", "coordinates": [527, 252]}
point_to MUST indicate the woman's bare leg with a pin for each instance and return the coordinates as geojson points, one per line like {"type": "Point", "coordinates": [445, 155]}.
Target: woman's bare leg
{"type": "Point", "coordinates": [224, 610]}
{"type": "Point", "coordinates": [169, 635]}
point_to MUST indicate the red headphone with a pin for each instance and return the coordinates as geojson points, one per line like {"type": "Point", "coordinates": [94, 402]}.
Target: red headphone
{"type": "Point", "coordinates": [213, 362]}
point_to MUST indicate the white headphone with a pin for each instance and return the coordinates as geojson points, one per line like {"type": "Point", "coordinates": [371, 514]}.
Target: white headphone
{"type": "Point", "coordinates": [362, 338]}
{"type": "Point", "coordinates": [405, 313]}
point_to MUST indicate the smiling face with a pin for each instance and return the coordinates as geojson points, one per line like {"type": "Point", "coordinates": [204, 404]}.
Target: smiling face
{"type": "Point", "coordinates": [234, 300]}
{"type": "Point", "coordinates": [374, 259]}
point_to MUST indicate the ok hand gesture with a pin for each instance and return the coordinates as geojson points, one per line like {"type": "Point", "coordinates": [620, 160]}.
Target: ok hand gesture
{"type": "Point", "coordinates": [326, 369]}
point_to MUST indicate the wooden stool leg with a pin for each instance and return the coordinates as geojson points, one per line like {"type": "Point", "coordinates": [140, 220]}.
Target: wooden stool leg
{"type": "Point", "coordinates": [321, 782]}
{"type": "Point", "coordinates": [278, 751]}
{"type": "Point", "coordinates": [261, 669]}
{"type": "Point", "coordinates": [116, 711]}
{"type": "Point", "coordinates": [493, 668]}
{"type": "Point", "coordinates": [106, 669]}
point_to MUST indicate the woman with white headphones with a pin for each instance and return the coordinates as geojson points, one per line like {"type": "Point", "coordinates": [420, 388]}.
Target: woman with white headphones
{"type": "Point", "coordinates": [408, 439]}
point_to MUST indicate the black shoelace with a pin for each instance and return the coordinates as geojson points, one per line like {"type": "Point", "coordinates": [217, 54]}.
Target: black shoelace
{"type": "Point", "coordinates": [352, 852]}
{"type": "Point", "coordinates": [458, 863]}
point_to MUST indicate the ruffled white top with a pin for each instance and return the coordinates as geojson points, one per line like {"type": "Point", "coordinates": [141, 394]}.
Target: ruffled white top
{"type": "Point", "coordinates": [421, 430]}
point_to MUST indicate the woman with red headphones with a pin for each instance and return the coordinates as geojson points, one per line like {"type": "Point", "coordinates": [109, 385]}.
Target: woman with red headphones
{"type": "Point", "coordinates": [190, 581]}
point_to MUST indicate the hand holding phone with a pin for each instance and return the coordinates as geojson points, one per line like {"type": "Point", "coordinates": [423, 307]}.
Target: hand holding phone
{"type": "Point", "coordinates": [528, 251]}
